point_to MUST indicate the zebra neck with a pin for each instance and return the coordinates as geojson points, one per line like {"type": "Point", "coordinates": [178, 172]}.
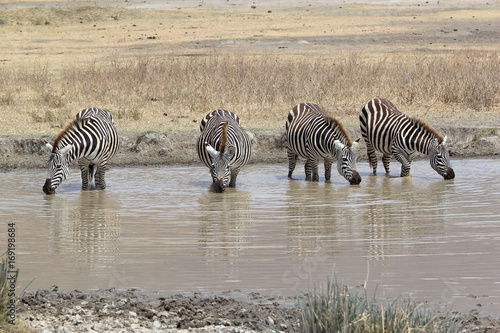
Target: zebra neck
{"type": "Point", "coordinates": [73, 153]}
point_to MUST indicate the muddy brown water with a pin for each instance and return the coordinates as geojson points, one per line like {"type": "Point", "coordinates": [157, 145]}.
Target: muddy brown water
{"type": "Point", "coordinates": [161, 229]}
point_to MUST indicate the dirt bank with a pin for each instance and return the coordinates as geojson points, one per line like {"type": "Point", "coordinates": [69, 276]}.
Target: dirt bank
{"type": "Point", "coordinates": [466, 139]}
{"type": "Point", "coordinates": [111, 310]}
{"type": "Point", "coordinates": [134, 311]}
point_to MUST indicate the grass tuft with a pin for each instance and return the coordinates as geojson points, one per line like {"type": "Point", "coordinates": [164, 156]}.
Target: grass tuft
{"type": "Point", "coordinates": [337, 308]}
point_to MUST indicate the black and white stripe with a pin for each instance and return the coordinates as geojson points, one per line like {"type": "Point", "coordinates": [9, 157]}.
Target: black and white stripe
{"type": "Point", "coordinates": [92, 139]}
{"type": "Point", "coordinates": [313, 135]}
{"type": "Point", "coordinates": [223, 146]}
{"type": "Point", "coordinates": [385, 129]}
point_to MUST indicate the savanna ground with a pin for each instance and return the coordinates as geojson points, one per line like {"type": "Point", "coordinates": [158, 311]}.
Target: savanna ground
{"type": "Point", "coordinates": [160, 66]}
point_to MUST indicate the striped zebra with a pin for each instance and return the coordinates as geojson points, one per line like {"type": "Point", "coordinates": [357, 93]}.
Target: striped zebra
{"type": "Point", "coordinates": [92, 139]}
{"type": "Point", "coordinates": [223, 146]}
{"type": "Point", "coordinates": [385, 129]}
{"type": "Point", "coordinates": [313, 135]}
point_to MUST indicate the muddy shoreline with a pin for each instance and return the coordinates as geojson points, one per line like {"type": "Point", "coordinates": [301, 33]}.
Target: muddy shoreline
{"type": "Point", "coordinates": [466, 139]}
{"type": "Point", "coordinates": [132, 310]}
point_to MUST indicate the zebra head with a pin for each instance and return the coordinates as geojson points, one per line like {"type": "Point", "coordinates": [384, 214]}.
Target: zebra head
{"type": "Point", "coordinates": [221, 174]}
{"type": "Point", "coordinates": [346, 161]}
{"type": "Point", "coordinates": [440, 159]}
{"type": "Point", "coordinates": [58, 168]}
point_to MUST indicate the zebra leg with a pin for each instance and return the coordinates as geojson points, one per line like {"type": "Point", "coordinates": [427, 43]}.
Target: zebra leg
{"type": "Point", "coordinates": [84, 169]}
{"type": "Point", "coordinates": [308, 169]}
{"type": "Point", "coordinates": [405, 163]}
{"type": "Point", "coordinates": [234, 174]}
{"type": "Point", "coordinates": [386, 160]}
{"type": "Point", "coordinates": [312, 170]}
{"type": "Point", "coordinates": [292, 161]}
{"type": "Point", "coordinates": [100, 182]}
{"type": "Point", "coordinates": [372, 157]}
{"type": "Point", "coordinates": [328, 169]}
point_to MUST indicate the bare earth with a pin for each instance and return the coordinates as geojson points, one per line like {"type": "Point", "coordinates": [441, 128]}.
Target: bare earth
{"type": "Point", "coordinates": [438, 27]}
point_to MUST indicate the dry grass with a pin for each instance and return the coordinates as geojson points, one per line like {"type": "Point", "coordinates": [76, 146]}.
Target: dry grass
{"type": "Point", "coordinates": [261, 89]}
{"type": "Point", "coordinates": [337, 308]}
{"type": "Point", "coordinates": [164, 70]}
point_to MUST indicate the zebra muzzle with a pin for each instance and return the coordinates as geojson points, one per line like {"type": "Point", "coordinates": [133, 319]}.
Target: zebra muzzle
{"type": "Point", "coordinates": [450, 174]}
{"type": "Point", "coordinates": [218, 185]}
{"type": "Point", "coordinates": [355, 179]}
{"type": "Point", "coordinates": [47, 188]}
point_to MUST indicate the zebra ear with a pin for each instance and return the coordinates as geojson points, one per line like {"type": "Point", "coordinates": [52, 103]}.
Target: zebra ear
{"type": "Point", "coordinates": [355, 144]}
{"type": "Point", "coordinates": [338, 144]}
{"type": "Point", "coordinates": [211, 150]}
{"type": "Point", "coordinates": [444, 140]}
{"type": "Point", "coordinates": [49, 146]}
{"type": "Point", "coordinates": [66, 149]}
{"type": "Point", "coordinates": [231, 151]}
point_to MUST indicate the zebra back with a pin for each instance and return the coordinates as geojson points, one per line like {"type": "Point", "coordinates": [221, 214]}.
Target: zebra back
{"type": "Point", "coordinates": [92, 134]}
{"type": "Point", "coordinates": [385, 129]}
{"type": "Point", "coordinates": [92, 138]}
{"type": "Point", "coordinates": [222, 134]}
{"type": "Point", "coordinates": [311, 130]}
{"type": "Point", "coordinates": [313, 135]}
{"type": "Point", "coordinates": [383, 125]}
{"type": "Point", "coordinates": [218, 113]}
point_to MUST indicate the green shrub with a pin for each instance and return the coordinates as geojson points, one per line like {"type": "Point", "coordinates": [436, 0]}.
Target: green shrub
{"type": "Point", "coordinates": [336, 308]}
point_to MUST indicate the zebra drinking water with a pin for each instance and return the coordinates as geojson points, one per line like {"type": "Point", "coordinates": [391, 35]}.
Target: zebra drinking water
{"type": "Point", "coordinates": [387, 130]}
{"type": "Point", "coordinates": [313, 135]}
{"type": "Point", "coordinates": [92, 139]}
{"type": "Point", "coordinates": [223, 146]}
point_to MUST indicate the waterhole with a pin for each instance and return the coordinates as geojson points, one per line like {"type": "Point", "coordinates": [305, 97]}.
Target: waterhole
{"type": "Point", "coordinates": [161, 229]}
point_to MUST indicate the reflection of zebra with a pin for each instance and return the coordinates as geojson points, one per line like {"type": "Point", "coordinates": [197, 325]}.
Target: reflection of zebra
{"type": "Point", "coordinates": [223, 146]}
{"type": "Point", "coordinates": [387, 130]}
{"type": "Point", "coordinates": [312, 135]}
{"type": "Point", "coordinates": [85, 231]}
{"type": "Point", "coordinates": [92, 139]}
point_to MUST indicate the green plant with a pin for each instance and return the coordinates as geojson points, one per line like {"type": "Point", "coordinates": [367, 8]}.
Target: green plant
{"type": "Point", "coordinates": [337, 308]}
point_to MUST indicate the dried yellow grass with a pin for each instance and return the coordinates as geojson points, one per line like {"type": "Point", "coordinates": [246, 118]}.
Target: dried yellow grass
{"type": "Point", "coordinates": [160, 70]}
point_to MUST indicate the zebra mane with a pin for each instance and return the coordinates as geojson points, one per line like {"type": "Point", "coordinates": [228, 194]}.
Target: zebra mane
{"type": "Point", "coordinates": [223, 141]}
{"type": "Point", "coordinates": [73, 124]}
{"type": "Point", "coordinates": [425, 126]}
{"type": "Point", "coordinates": [335, 124]}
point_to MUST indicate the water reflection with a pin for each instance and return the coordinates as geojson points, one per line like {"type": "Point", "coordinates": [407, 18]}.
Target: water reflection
{"type": "Point", "coordinates": [85, 231]}
{"type": "Point", "coordinates": [401, 213]}
{"type": "Point", "coordinates": [225, 221]}
{"type": "Point", "coordinates": [272, 234]}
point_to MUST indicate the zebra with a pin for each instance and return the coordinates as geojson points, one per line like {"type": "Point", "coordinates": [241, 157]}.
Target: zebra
{"type": "Point", "coordinates": [389, 131]}
{"type": "Point", "coordinates": [313, 135]}
{"type": "Point", "coordinates": [92, 139]}
{"type": "Point", "coordinates": [223, 146]}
